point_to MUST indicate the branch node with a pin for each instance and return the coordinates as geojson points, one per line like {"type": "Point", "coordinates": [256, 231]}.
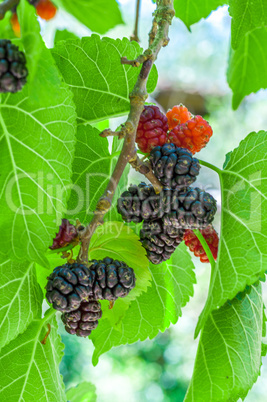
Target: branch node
{"type": "Point", "coordinates": [108, 133]}
{"type": "Point", "coordinates": [139, 60]}
{"type": "Point", "coordinates": [103, 205]}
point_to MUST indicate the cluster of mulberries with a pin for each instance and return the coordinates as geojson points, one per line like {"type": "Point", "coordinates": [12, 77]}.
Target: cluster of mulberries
{"type": "Point", "coordinates": [178, 126]}
{"type": "Point", "coordinates": [166, 216]}
{"type": "Point", "coordinates": [75, 290]}
{"type": "Point", "coordinates": [179, 208]}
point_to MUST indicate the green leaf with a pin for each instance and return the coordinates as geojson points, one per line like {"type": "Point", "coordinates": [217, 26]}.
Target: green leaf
{"type": "Point", "coordinates": [6, 30]}
{"type": "Point", "coordinates": [191, 11]}
{"type": "Point", "coordinates": [37, 145]}
{"type": "Point", "coordinates": [247, 70]}
{"type": "Point", "coordinates": [246, 16]}
{"type": "Point", "coordinates": [100, 83]}
{"type": "Point", "coordinates": [29, 369]}
{"type": "Point", "coordinates": [242, 257]}
{"type": "Point", "coordinates": [20, 299]}
{"type": "Point", "coordinates": [118, 241]}
{"type": "Point", "coordinates": [99, 16]}
{"type": "Point", "coordinates": [40, 63]}
{"type": "Point", "coordinates": [229, 352]}
{"type": "Point", "coordinates": [84, 392]}
{"type": "Point", "coordinates": [92, 168]}
{"type": "Point", "coordinates": [64, 35]}
{"type": "Point", "coordinates": [153, 311]}
{"type": "Point", "coordinates": [30, 35]}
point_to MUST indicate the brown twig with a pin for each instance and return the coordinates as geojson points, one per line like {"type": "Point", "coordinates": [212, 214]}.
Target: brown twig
{"type": "Point", "coordinates": [163, 16]}
{"type": "Point", "coordinates": [6, 6]}
{"type": "Point", "coordinates": [139, 60]}
{"type": "Point", "coordinates": [146, 169]}
{"type": "Point", "coordinates": [134, 36]}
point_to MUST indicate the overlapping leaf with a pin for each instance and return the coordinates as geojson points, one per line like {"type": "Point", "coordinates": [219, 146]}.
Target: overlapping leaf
{"type": "Point", "coordinates": [154, 310]}
{"type": "Point", "coordinates": [118, 241]}
{"type": "Point", "coordinates": [191, 11]}
{"type": "Point", "coordinates": [242, 255]}
{"type": "Point", "coordinates": [64, 35]}
{"type": "Point", "coordinates": [20, 299]}
{"type": "Point", "coordinates": [44, 81]}
{"type": "Point", "coordinates": [37, 145]}
{"type": "Point", "coordinates": [229, 352]}
{"type": "Point", "coordinates": [92, 168]}
{"type": "Point", "coordinates": [99, 16]}
{"type": "Point", "coordinates": [29, 369]}
{"type": "Point", "coordinates": [247, 70]}
{"type": "Point", "coordinates": [246, 16]}
{"type": "Point", "coordinates": [84, 392]}
{"type": "Point", "coordinates": [100, 83]}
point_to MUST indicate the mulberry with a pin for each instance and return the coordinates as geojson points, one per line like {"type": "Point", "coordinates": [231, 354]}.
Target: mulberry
{"type": "Point", "coordinates": [139, 203]}
{"type": "Point", "coordinates": [192, 208]}
{"type": "Point", "coordinates": [178, 115]}
{"type": "Point", "coordinates": [159, 240]}
{"type": "Point", "coordinates": [45, 9]}
{"type": "Point", "coordinates": [71, 284]}
{"type": "Point", "coordinates": [193, 135]}
{"type": "Point", "coordinates": [68, 286]}
{"type": "Point", "coordinates": [82, 321]}
{"type": "Point", "coordinates": [152, 129]}
{"type": "Point", "coordinates": [174, 167]}
{"type": "Point", "coordinates": [113, 279]}
{"type": "Point", "coordinates": [13, 71]}
{"type": "Point", "coordinates": [211, 237]}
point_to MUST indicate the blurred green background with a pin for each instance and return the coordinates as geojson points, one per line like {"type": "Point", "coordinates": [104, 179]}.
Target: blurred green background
{"type": "Point", "coordinates": [192, 70]}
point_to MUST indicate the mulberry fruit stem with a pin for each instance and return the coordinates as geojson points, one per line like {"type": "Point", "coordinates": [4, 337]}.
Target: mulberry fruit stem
{"type": "Point", "coordinates": [206, 248]}
{"type": "Point", "coordinates": [6, 6]}
{"type": "Point", "coordinates": [163, 14]}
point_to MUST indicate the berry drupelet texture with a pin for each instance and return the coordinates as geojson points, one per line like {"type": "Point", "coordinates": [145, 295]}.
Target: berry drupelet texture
{"type": "Point", "coordinates": [152, 129]}
{"type": "Point", "coordinates": [192, 135]}
{"type": "Point", "coordinates": [82, 321]}
{"type": "Point", "coordinates": [179, 114]}
{"type": "Point", "coordinates": [174, 167]}
{"type": "Point", "coordinates": [160, 241]}
{"type": "Point", "coordinates": [71, 284]}
{"type": "Point", "coordinates": [13, 71]}
{"type": "Point", "coordinates": [192, 208]}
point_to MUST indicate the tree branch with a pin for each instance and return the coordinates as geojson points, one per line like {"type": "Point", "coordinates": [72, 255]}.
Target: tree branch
{"type": "Point", "coordinates": [6, 6]}
{"type": "Point", "coordinates": [163, 15]}
{"type": "Point", "coordinates": [134, 36]}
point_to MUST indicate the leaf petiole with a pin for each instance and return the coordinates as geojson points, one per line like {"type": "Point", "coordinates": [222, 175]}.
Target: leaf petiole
{"type": "Point", "coordinates": [206, 248]}
{"type": "Point", "coordinates": [211, 166]}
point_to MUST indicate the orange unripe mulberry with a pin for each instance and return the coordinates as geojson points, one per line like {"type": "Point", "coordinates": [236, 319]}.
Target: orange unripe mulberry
{"type": "Point", "coordinates": [46, 9]}
{"type": "Point", "coordinates": [15, 24]}
{"type": "Point", "coordinates": [193, 135]}
{"type": "Point", "coordinates": [179, 114]}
